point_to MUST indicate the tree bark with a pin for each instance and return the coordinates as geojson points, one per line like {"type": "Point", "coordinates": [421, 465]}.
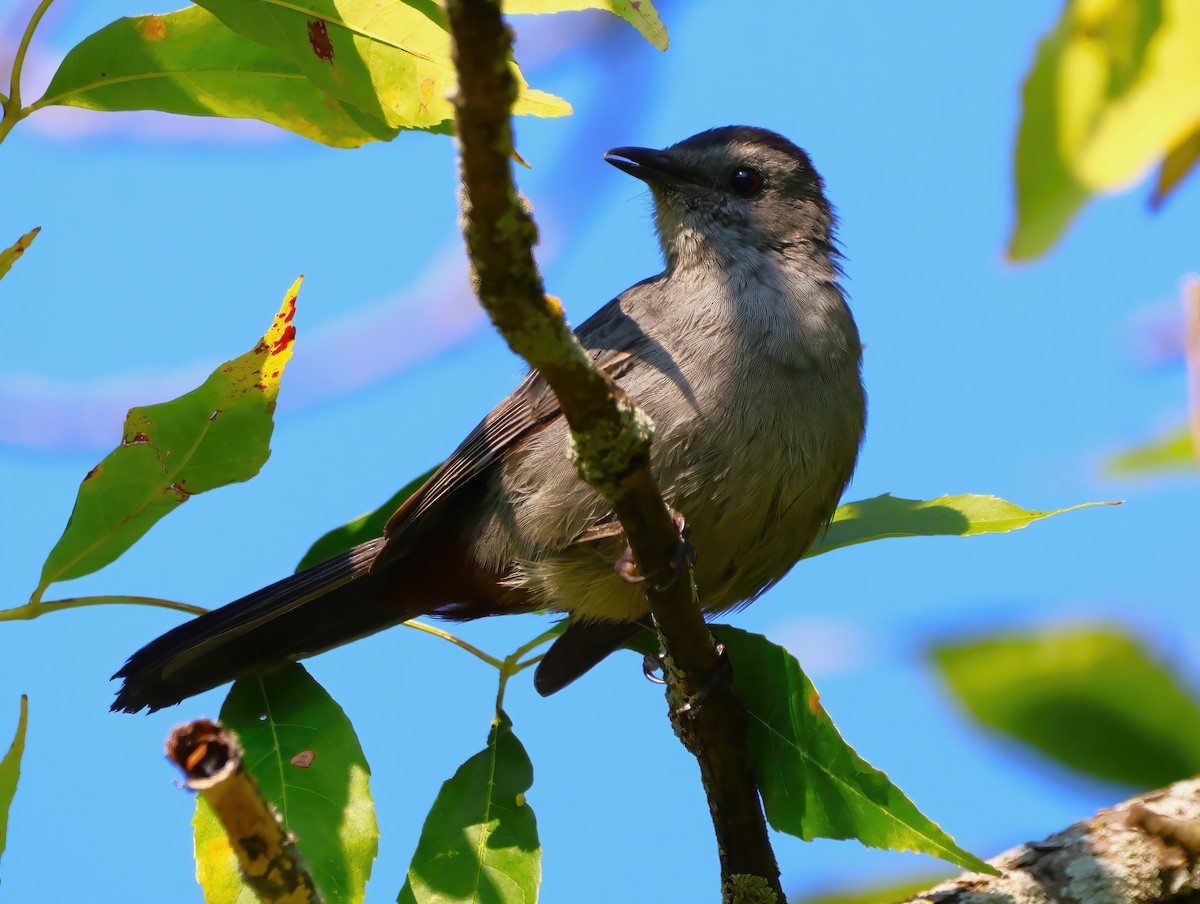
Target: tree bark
{"type": "Point", "coordinates": [1144, 850]}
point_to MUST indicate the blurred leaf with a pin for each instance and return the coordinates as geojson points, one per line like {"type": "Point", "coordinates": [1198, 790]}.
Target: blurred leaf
{"type": "Point", "coordinates": [1173, 452]}
{"type": "Point", "coordinates": [1089, 697]}
{"type": "Point", "coordinates": [948, 516]}
{"type": "Point", "coordinates": [875, 892]}
{"type": "Point", "coordinates": [641, 14]}
{"type": "Point", "coordinates": [360, 530]}
{"type": "Point", "coordinates": [479, 843]}
{"type": "Point", "coordinates": [813, 784]}
{"type": "Point", "coordinates": [1179, 162]}
{"type": "Point", "coordinates": [1113, 89]}
{"type": "Point", "coordinates": [9, 255]}
{"type": "Point", "coordinates": [215, 435]}
{"type": "Point", "coordinates": [392, 61]}
{"type": "Point", "coordinates": [188, 62]}
{"type": "Point", "coordinates": [10, 771]}
{"type": "Point", "coordinates": [307, 760]}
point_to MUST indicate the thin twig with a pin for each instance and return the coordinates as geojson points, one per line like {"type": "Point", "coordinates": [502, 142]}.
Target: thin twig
{"type": "Point", "coordinates": [611, 440]}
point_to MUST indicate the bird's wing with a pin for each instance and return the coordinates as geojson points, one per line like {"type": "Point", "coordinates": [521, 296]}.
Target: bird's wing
{"type": "Point", "coordinates": [613, 340]}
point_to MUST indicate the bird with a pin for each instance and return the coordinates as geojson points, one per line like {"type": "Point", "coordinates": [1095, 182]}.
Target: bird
{"type": "Point", "coordinates": [744, 354]}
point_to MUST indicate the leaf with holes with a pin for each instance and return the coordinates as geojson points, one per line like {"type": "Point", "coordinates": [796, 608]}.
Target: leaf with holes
{"type": "Point", "coordinates": [641, 14]}
{"type": "Point", "coordinates": [10, 771]}
{"type": "Point", "coordinates": [9, 255]}
{"type": "Point", "coordinates": [390, 60]}
{"type": "Point", "coordinates": [217, 434]}
{"type": "Point", "coordinates": [812, 782]}
{"type": "Point", "coordinates": [187, 62]}
{"type": "Point", "coordinates": [479, 844]}
{"type": "Point", "coordinates": [947, 516]}
{"type": "Point", "coordinates": [306, 758]}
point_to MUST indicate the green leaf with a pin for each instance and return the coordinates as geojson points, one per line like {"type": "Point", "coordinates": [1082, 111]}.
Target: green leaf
{"type": "Point", "coordinates": [868, 892]}
{"type": "Point", "coordinates": [10, 771]}
{"type": "Point", "coordinates": [1089, 697]}
{"type": "Point", "coordinates": [947, 516]}
{"type": "Point", "coordinates": [390, 60]}
{"type": "Point", "coordinates": [188, 62]}
{"type": "Point", "coordinates": [306, 758]}
{"type": "Point", "coordinates": [1115, 86]}
{"type": "Point", "coordinates": [479, 843]}
{"type": "Point", "coordinates": [10, 254]}
{"type": "Point", "coordinates": [1180, 161]}
{"type": "Point", "coordinates": [812, 782]}
{"type": "Point", "coordinates": [641, 14]}
{"type": "Point", "coordinates": [215, 435]}
{"type": "Point", "coordinates": [360, 530]}
{"type": "Point", "coordinates": [1173, 452]}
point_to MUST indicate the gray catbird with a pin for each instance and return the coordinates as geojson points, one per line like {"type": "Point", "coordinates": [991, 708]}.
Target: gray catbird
{"type": "Point", "coordinates": [745, 356]}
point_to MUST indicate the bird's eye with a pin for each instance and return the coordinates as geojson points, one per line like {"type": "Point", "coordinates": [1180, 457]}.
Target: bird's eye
{"type": "Point", "coordinates": [746, 182]}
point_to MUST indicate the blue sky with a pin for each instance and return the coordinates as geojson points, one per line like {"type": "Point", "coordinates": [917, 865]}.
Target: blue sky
{"type": "Point", "coordinates": [167, 245]}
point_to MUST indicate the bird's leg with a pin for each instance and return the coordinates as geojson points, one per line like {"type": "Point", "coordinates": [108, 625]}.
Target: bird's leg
{"type": "Point", "coordinates": [720, 672]}
{"type": "Point", "coordinates": [685, 553]}
{"type": "Point", "coordinates": [652, 665]}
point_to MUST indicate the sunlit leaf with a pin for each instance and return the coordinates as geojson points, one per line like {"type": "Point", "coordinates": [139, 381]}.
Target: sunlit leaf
{"type": "Point", "coordinates": [188, 62]}
{"type": "Point", "coordinates": [390, 60]}
{"type": "Point", "coordinates": [1180, 161]}
{"type": "Point", "coordinates": [947, 516]}
{"type": "Point", "coordinates": [9, 255]}
{"type": "Point", "coordinates": [217, 434]}
{"type": "Point", "coordinates": [1115, 86]}
{"type": "Point", "coordinates": [1173, 452]}
{"type": "Point", "coordinates": [10, 771]}
{"type": "Point", "coordinates": [360, 530]}
{"type": "Point", "coordinates": [641, 14]}
{"type": "Point", "coordinates": [1089, 697]}
{"type": "Point", "coordinates": [479, 844]}
{"type": "Point", "coordinates": [306, 758]}
{"type": "Point", "coordinates": [812, 782]}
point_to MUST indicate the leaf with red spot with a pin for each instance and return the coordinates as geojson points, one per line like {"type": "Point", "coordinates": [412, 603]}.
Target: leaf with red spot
{"type": "Point", "coordinates": [217, 434]}
{"type": "Point", "coordinates": [187, 62]}
{"type": "Point", "coordinates": [389, 60]}
{"type": "Point", "coordinates": [9, 255]}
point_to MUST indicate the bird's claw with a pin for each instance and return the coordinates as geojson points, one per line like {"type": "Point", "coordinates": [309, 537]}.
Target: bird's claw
{"type": "Point", "coordinates": [719, 673]}
{"type": "Point", "coordinates": [685, 554]}
{"type": "Point", "coordinates": [652, 665]}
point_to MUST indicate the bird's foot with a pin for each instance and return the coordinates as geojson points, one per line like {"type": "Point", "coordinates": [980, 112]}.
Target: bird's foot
{"type": "Point", "coordinates": [685, 554]}
{"type": "Point", "coordinates": [652, 666]}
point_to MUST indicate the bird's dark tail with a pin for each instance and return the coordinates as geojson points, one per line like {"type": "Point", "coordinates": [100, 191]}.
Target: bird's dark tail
{"type": "Point", "coordinates": [325, 606]}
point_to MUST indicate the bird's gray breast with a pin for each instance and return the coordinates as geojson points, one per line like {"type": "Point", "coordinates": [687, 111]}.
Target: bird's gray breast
{"type": "Point", "coordinates": [756, 402]}
{"type": "Point", "coordinates": [757, 465]}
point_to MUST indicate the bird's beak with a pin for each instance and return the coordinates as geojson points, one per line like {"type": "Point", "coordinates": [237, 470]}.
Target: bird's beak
{"type": "Point", "coordinates": [651, 166]}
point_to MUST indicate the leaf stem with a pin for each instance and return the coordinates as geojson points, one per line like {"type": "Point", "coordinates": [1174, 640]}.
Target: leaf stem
{"type": "Point", "coordinates": [34, 609]}
{"type": "Point", "coordinates": [10, 106]}
{"type": "Point", "coordinates": [14, 94]}
{"type": "Point", "coordinates": [457, 641]}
